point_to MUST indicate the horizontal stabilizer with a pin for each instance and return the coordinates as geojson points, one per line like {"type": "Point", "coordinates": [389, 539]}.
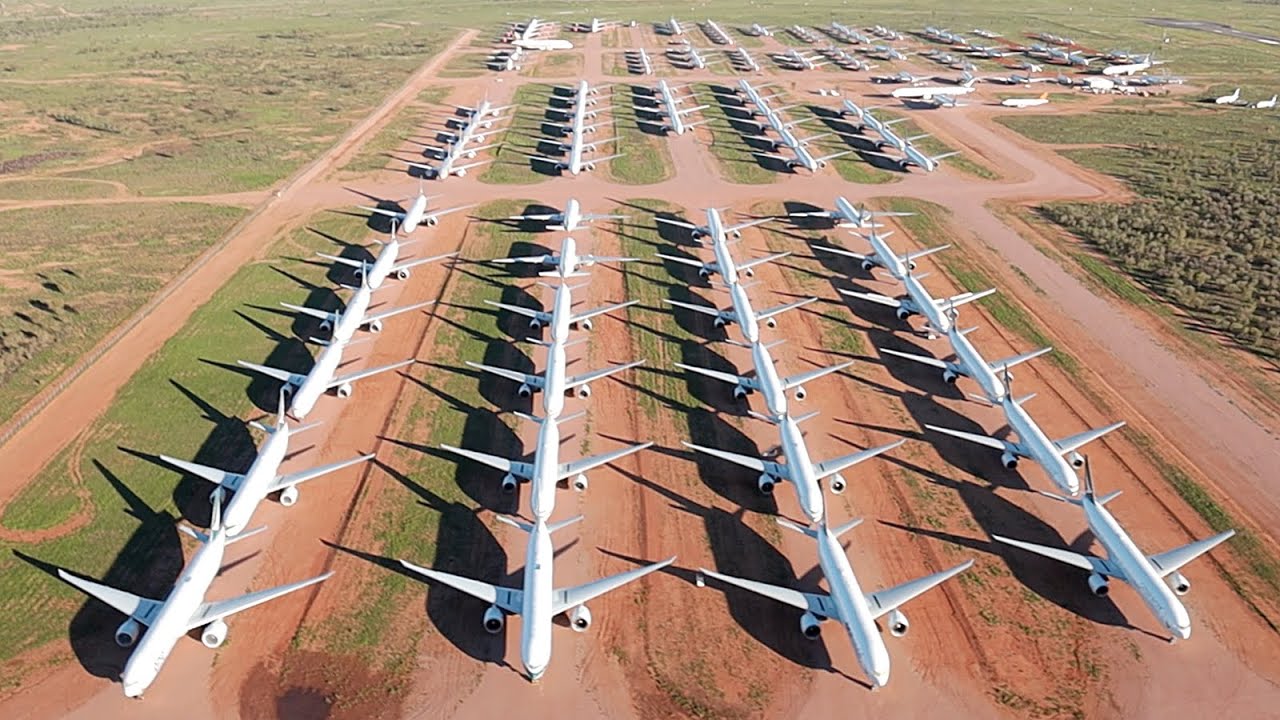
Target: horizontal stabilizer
{"type": "Point", "coordinates": [228, 480]}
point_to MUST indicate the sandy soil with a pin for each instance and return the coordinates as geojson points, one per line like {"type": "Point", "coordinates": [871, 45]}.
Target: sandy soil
{"type": "Point", "coordinates": [935, 503]}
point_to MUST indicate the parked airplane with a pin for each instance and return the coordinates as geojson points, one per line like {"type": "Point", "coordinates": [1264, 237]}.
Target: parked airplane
{"type": "Point", "coordinates": [1266, 104]}
{"type": "Point", "coordinates": [1231, 99]}
{"type": "Point", "coordinates": [561, 316]}
{"type": "Point", "coordinates": [543, 44]}
{"type": "Point", "coordinates": [846, 603]}
{"type": "Point", "coordinates": [911, 155]}
{"type": "Point", "coordinates": [928, 92]}
{"type": "Point", "coordinates": [386, 263]}
{"type": "Point", "coordinates": [918, 301]}
{"type": "Point", "coordinates": [673, 112]}
{"type": "Point", "coordinates": [673, 26]}
{"type": "Point", "coordinates": [417, 214]}
{"type": "Point", "coordinates": [305, 390]}
{"type": "Point", "coordinates": [798, 469]}
{"type": "Point", "coordinates": [724, 264]}
{"type": "Point", "coordinates": [845, 215]}
{"type": "Point", "coordinates": [758, 30]}
{"type": "Point", "coordinates": [185, 609]}
{"type": "Point", "coordinates": [552, 382]}
{"type": "Point", "coordinates": [899, 266]}
{"type": "Point", "coordinates": [715, 227]}
{"type": "Point", "coordinates": [1026, 102]}
{"type": "Point", "coordinates": [263, 476]}
{"type": "Point", "coordinates": [1131, 68]}
{"type": "Point", "coordinates": [566, 263]}
{"type": "Point", "coordinates": [538, 600]}
{"type": "Point", "coordinates": [1056, 457]}
{"type": "Point", "coordinates": [596, 25]}
{"type": "Point", "coordinates": [448, 166]}
{"type": "Point", "coordinates": [805, 159]}
{"type": "Point", "coordinates": [483, 114]}
{"type": "Point", "coordinates": [970, 363]}
{"type": "Point", "coordinates": [546, 471]}
{"type": "Point", "coordinates": [766, 380]}
{"type": "Point", "coordinates": [740, 312]}
{"type": "Point", "coordinates": [570, 219]}
{"type": "Point", "coordinates": [1124, 561]}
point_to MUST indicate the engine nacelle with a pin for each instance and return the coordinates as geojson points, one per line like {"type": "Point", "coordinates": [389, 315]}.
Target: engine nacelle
{"type": "Point", "coordinates": [494, 620]}
{"type": "Point", "coordinates": [950, 376]}
{"type": "Point", "coordinates": [344, 390]}
{"type": "Point", "coordinates": [214, 634]}
{"type": "Point", "coordinates": [326, 326]}
{"type": "Point", "coordinates": [771, 322]}
{"type": "Point", "coordinates": [536, 324]}
{"type": "Point", "coordinates": [838, 483]}
{"type": "Point", "coordinates": [524, 390]}
{"type": "Point", "coordinates": [432, 220]}
{"type": "Point", "coordinates": [1098, 585]}
{"type": "Point", "coordinates": [704, 273]}
{"type": "Point", "coordinates": [127, 633]}
{"type": "Point", "coordinates": [580, 482]}
{"type": "Point", "coordinates": [800, 393]}
{"type": "Point", "coordinates": [903, 313]}
{"type": "Point", "coordinates": [867, 265]}
{"type": "Point", "coordinates": [460, 173]}
{"type": "Point", "coordinates": [822, 163]}
{"type": "Point", "coordinates": [1179, 582]}
{"type": "Point", "coordinates": [719, 322]}
{"type": "Point", "coordinates": [1009, 460]}
{"type": "Point", "coordinates": [1076, 459]}
{"type": "Point", "coordinates": [737, 234]}
{"type": "Point", "coordinates": [766, 484]}
{"type": "Point", "coordinates": [403, 273]}
{"type": "Point", "coordinates": [289, 496]}
{"type": "Point", "coordinates": [375, 326]}
{"type": "Point", "coordinates": [898, 623]}
{"type": "Point", "coordinates": [509, 484]}
{"type": "Point", "coordinates": [749, 272]}
{"type": "Point", "coordinates": [471, 154]}
{"type": "Point", "coordinates": [740, 392]}
{"type": "Point", "coordinates": [288, 390]}
{"type": "Point", "coordinates": [584, 391]}
{"type": "Point", "coordinates": [810, 626]}
{"type": "Point", "coordinates": [911, 264]}
{"type": "Point", "coordinates": [590, 166]}
{"type": "Point", "coordinates": [580, 618]}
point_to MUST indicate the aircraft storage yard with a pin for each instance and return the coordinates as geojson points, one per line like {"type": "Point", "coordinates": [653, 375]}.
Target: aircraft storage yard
{"type": "Point", "coordinates": [704, 363]}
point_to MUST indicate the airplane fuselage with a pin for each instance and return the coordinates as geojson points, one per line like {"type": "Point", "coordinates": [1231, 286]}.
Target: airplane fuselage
{"type": "Point", "coordinates": [317, 380]}
{"type": "Point", "coordinates": [800, 468]}
{"type": "Point", "coordinates": [553, 382]}
{"type": "Point", "coordinates": [539, 589]}
{"type": "Point", "coordinates": [561, 313]}
{"type": "Point", "coordinates": [571, 218]}
{"type": "Point", "coordinates": [924, 304]}
{"type": "Point", "coordinates": [775, 396]}
{"type": "Point", "coordinates": [546, 466]}
{"type": "Point", "coordinates": [253, 487]}
{"type": "Point", "coordinates": [846, 212]}
{"type": "Point", "coordinates": [568, 261]}
{"type": "Point", "coordinates": [413, 216]}
{"type": "Point", "coordinates": [382, 265]}
{"type": "Point", "coordinates": [352, 317]}
{"type": "Point", "coordinates": [849, 600]}
{"type": "Point", "coordinates": [974, 366]}
{"type": "Point", "coordinates": [743, 313]}
{"type": "Point", "coordinates": [1039, 447]}
{"type": "Point", "coordinates": [885, 257]}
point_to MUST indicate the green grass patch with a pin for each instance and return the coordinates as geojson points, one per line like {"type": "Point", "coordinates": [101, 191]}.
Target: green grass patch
{"type": "Point", "coordinates": [373, 154]}
{"type": "Point", "coordinates": [510, 165]}
{"type": "Point", "coordinates": [54, 188]}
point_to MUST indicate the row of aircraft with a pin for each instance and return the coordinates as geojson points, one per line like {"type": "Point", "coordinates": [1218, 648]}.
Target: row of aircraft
{"type": "Point", "coordinates": [845, 602]}
{"type": "Point", "coordinates": [1156, 578]}
{"type": "Point", "coordinates": [153, 627]}
{"type": "Point", "coordinates": [468, 130]}
{"type": "Point", "coordinates": [575, 148]}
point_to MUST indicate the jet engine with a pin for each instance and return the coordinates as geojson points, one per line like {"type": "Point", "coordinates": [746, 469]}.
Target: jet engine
{"type": "Point", "coordinates": [214, 634]}
{"type": "Point", "coordinates": [585, 325]}
{"type": "Point", "coordinates": [766, 484]}
{"type": "Point", "coordinates": [1180, 583]}
{"type": "Point", "coordinates": [580, 618]}
{"type": "Point", "coordinates": [838, 483]}
{"type": "Point", "coordinates": [704, 273]}
{"type": "Point", "coordinates": [432, 221]}
{"type": "Point", "coordinates": [740, 392]}
{"type": "Point", "coordinates": [471, 153]}
{"type": "Point", "coordinates": [535, 323]}
{"type": "Point", "coordinates": [903, 313]}
{"type": "Point", "coordinates": [589, 166]}
{"type": "Point", "coordinates": [584, 391]}
{"type": "Point", "coordinates": [326, 326]}
{"type": "Point", "coordinates": [580, 482]}
{"type": "Point", "coordinates": [289, 496]}
{"type": "Point", "coordinates": [403, 273]}
{"type": "Point", "coordinates": [461, 172]}
{"type": "Point", "coordinates": [494, 620]}
{"type": "Point", "coordinates": [127, 633]}
{"type": "Point", "coordinates": [867, 265]}
{"type": "Point", "coordinates": [810, 626]}
{"type": "Point", "coordinates": [1009, 460]}
{"type": "Point", "coordinates": [719, 322]}
{"type": "Point", "coordinates": [1098, 585]}
{"type": "Point", "coordinates": [950, 376]}
{"type": "Point", "coordinates": [771, 322]}
{"type": "Point", "coordinates": [375, 326]}
{"type": "Point", "coordinates": [344, 390]}
{"type": "Point", "coordinates": [822, 163]}
{"type": "Point", "coordinates": [800, 393]}
{"type": "Point", "coordinates": [737, 234]}
{"type": "Point", "coordinates": [509, 484]}
{"type": "Point", "coordinates": [524, 390]}
{"type": "Point", "coordinates": [898, 623]}
{"type": "Point", "coordinates": [1076, 459]}
{"type": "Point", "coordinates": [749, 272]}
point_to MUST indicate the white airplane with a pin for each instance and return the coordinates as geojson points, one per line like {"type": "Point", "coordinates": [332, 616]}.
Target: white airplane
{"type": "Point", "coordinates": [1231, 99]}
{"type": "Point", "coordinates": [1266, 104]}
{"type": "Point", "coordinates": [538, 600]}
{"type": "Point", "coordinates": [846, 603]}
{"type": "Point", "coordinates": [263, 476]}
{"type": "Point", "coordinates": [561, 316]}
{"type": "Point", "coordinates": [799, 470]}
{"type": "Point", "coordinates": [724, 264]}
{"type": "Point", "coordinates": [416, 215]}
{"type": "Point", "coordinates": [846, 215]}
{"type": "Point", "coordinates": [928, 92]}
{"type": "Point", "coordinates": [1124, 561]}
{"type": "Point", "coordinates": [553, 383]}
{"type": "Point", "coordinates": [889, 138]}
{"type": "Point", "coordinates": [918, 301]}
{"type": "Point", "coordinates": [570, 219]}
{"type": "Point", "coordinates": [355, 315]}
{"type": "Point", "coordinates": [758, 30]}
{"type": "Point", "coordinates": [596, 25]}
{"type": "Point", "coordinates": [929, 163]}
{"type": "Point", "coordinates": [674, 27]}
{"type": "Point", "coordinates": [1026, 102]}
{"type": "Point", "coordinates": [448, 166]}
{"type": "Point", "coordinates": [483, 114]}
{"type": "Point", "coordinates": [566, 263]}
{"type": "Point", "coordinates": [674, 113]}
{"type": "Point", "coordinates": [546, 471]}
{"type": "Point", "coordinates": [740, 312]}
{"type": "Point", "coordinates": [1131, 68]}
{"type": "Point", "coordinates": [766, 380]}
{"type": "Point", "coordinates": [543, 44]}
{"type": "Point", "coordinates": [805, 159]}
{"type": "Point", "coordinates": [715, 227]}
{"type": "Point", "coordinates": [970, 363]}
{"type": "Point", "coordinates": [1058, 458]}
{"type": "Point", "coordinates": [386, 263]}
{"type": "Point", "coordinates": [899, 266]}
{"type": "Point", "coordinates": [1017, 79]}
{"type": "Point", "coordinates": [304, 390]}
{"type": "Point", "coordinates": [185, 609]}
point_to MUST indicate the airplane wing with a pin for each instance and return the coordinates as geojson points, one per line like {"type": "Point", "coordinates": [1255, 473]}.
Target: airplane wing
{"type": "Point", "coordinates": [590, 463]}
{"type": "Point", "coordinates": [721, 376]}
{"type": "Point", "coordinates": [691, 262]}
{"type": "Point", "coordinates": [229, 480]}
{"type": "Point", "coordinates": [1067, 444]}
{"type": "Point", "coordinates": [962, 299]}
{"type": "Point", "coordinates": [565, 598]}
{"type": "Point", "coordinates": [885, 601]}
{"type": "Point", "coordinates": [382, 211]}
{"type": "Point", "coordinates": [750, 223]}
{"type": "Point", "coordinates": [282, 375]}
{"type": "Point", "coordinates": [210, 611]}
{"type": "Point", "coordinates": [815, 213]}
{"type": "Point", "coordinates": [1018, 359]}
{"type": "Point", "coordinates": [589, 217]}
{"type": "Point", "coordinates": [534, 381]}
{"type": "Point", "coordinates": [419, 261]}
{"type": "Point", "coordinates": [313, 312]}
{"type": "Point", "coordinates": [508, 599]}
{"type": "Point", "coordinates": [1170, 560]}
{"type": "Point", "coordinates": [298, 478]}
{"type": "Point", "coordinates": [762, 260]}
{"type": "Point", "coordinates": [679, 223]}
{"type": "Point", "coordinates": [602, 373]}
{"type": "Point", "coordinates": [342, 260]}
{"type": "Point", "coordinates": [588, 314]}
{"type": "Point", "coordinates": [704, 309]}
{"type": "Point", "coordinates": [832, 156]}
{"type": "Point", "coordinates": [837, 250]}
{"type": "Point", "coordinates": [922, 359]}
{"type": "Point", "coordinates": [533, 259]}
{"type": "Point", "coordinates": [607, 259]}
{"type": "Point", "coordinates": [746, 461]}
{"type": "Point", "coordinates": [441, 213]}
{"type": "Point", "coordinates": [979, 439]}
{"type": "Point", "coordinates": [463, 168]}
{"type": "Point", "coordinates": [361, 374]}
{"type": "Point", "coordinates": [135, 606]}
{"type": "Point", "coordinates": [816, 603]}
{"type": "Point", "coordinates": [872, 297]}
{"type": "Point", "coordinates": [835, 465]}
{"type": "Point", "coordinates": [779, 309]}
{"type": "Point", "coordinates": [922, 253]}
{"type": "Point", "coordinates": [1091, 563]}
{"type": "Point", "coordinates": [520, 310]}
{"type": "Point", "coordinates": [515, 467]}
{"type": "Point", "coordinates": [802, 378]}
{"type": "Point", "coordinates": [372, 317]}
{"type": "Point", "coordinates": [544, 217]}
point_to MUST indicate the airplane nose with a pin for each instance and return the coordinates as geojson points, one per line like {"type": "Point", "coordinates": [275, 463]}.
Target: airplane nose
{"type": "Point", "coordinates": [535, 674]}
